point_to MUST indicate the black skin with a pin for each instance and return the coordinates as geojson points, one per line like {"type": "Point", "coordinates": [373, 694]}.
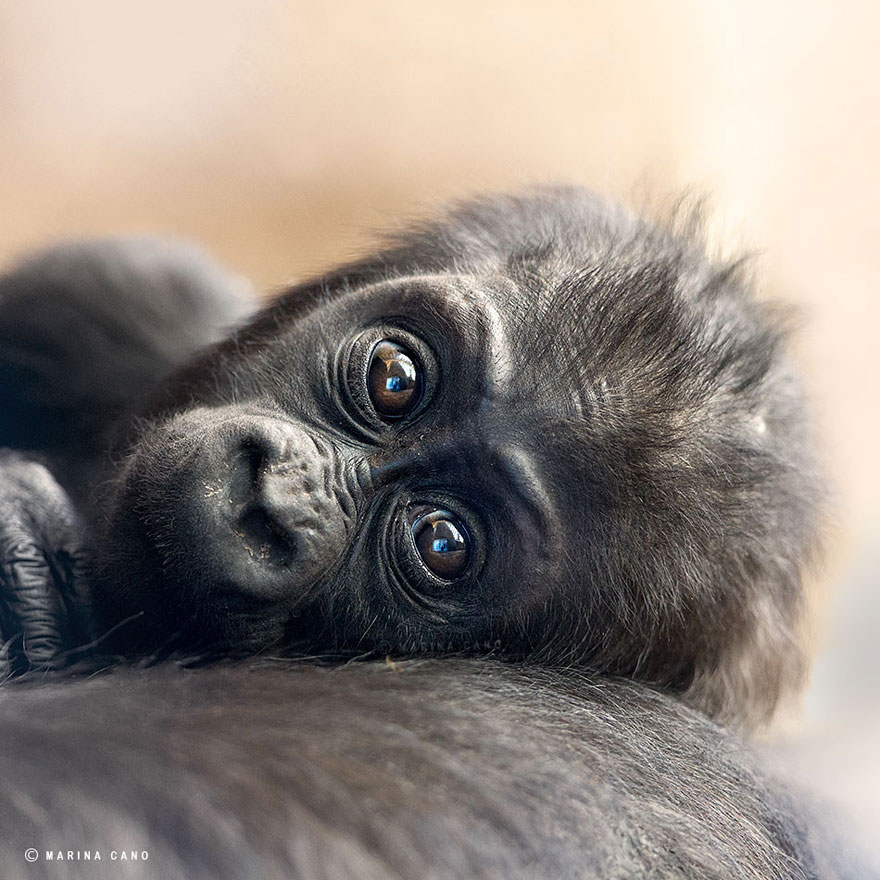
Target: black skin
{"type": "Point", "coordinates": [600, 420]}
{"type": "Point", "coordinates": [443, 769]}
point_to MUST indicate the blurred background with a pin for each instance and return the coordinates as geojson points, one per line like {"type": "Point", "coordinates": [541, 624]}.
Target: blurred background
{"type": "Point", "coordinates": [279, 134]}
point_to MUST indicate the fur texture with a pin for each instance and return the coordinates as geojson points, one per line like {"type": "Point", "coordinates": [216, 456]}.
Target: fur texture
{"type": "Point", "coordinates": [440, 769]}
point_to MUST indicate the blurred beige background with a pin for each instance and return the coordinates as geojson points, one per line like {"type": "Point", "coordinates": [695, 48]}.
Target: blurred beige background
{"type": "Point", "coordinates": [279, 133]}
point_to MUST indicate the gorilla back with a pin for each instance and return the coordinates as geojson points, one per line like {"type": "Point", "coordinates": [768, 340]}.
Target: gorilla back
{"type": "Point", "coordinates": [440, 769]}
{"type": "Point", "coordinates": [539, 426]}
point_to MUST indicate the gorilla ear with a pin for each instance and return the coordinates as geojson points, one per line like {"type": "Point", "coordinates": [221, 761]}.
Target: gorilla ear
{"type": "Point", "coordinates": [762, 662]}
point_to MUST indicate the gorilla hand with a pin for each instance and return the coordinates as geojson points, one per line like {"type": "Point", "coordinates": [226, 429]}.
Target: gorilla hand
{"type": "Point", "coordinates": [42, 601]}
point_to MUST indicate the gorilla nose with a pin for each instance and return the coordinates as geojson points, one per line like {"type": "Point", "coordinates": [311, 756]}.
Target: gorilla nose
{"type": "Point", "coordinates": [276, 503]}
{"type": "Point", "coordinates": [289, 507]}
{"type": "Point", "coordinates": [262, 527]}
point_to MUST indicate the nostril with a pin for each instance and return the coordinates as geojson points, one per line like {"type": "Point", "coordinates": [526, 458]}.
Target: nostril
{"type": "Point", "coordinates": [251, 458]}
{"type": "Point", "coordinates": [247, 460]}
{"type": "Point", "coordinates": [254, 454]}
{"type": "Point", "coordinates": [265, 539]}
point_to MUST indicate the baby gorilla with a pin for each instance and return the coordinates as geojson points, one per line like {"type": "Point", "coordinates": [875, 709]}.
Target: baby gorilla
{"type": "Point", "coordinates": [539, 426]}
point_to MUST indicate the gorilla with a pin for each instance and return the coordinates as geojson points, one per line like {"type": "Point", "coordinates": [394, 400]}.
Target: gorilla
{"type": "Point", "coordinates": [447, 769]}
{"type": "Point", "coordinates": [539, 427]}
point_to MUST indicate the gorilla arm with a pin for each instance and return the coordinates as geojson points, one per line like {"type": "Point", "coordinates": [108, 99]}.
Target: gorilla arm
{"type": "Point", "coordinates": [87, 329]}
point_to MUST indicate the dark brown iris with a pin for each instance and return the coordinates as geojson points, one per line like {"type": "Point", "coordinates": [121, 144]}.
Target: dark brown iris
{"type": "Point", "coordinates": [442, 544]}
{"type": "Point", "coordinates": [393, 381]}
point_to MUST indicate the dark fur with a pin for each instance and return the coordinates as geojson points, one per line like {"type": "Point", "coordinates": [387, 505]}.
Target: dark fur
{"type": "Point", "coordinates": [87, 331]}
{"type": "Point", "coordinates": [634, 390]}
{"type": "Point", "coordinates": [427, 769]}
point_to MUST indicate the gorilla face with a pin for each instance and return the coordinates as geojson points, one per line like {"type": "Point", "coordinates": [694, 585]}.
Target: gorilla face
{"type": "Point", "coordinates": [380, 454]}
{"type": "Point", "coordinates": [538, 426]}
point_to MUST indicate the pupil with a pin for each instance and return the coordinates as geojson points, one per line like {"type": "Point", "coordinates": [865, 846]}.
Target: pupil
{"type": "Point", "coordinates": [442, 544]}
{"type": "Point", "coordinates": [393, 381]}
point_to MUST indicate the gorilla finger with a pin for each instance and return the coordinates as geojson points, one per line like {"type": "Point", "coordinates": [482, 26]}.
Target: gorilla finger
{"type": "Point", "coordinates": [33, 605]}
{"type": "Point", "coordinates": [6, 669]}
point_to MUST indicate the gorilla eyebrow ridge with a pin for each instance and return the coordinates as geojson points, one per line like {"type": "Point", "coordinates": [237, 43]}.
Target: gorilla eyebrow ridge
{"type": "Point", "coordinates": [461, 301]}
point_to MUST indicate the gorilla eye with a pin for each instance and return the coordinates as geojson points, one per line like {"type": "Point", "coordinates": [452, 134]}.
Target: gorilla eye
{"type": "Point", "coordinates": [442, 544]}
{"type": "Point", "coordinates": [393, 382]}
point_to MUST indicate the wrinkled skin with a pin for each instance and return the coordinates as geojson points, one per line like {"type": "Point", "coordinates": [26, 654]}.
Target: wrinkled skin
{"type": "Point", "coordinates": [42, 607]}
{"type": "Point", "coordinates": [604, 417]}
